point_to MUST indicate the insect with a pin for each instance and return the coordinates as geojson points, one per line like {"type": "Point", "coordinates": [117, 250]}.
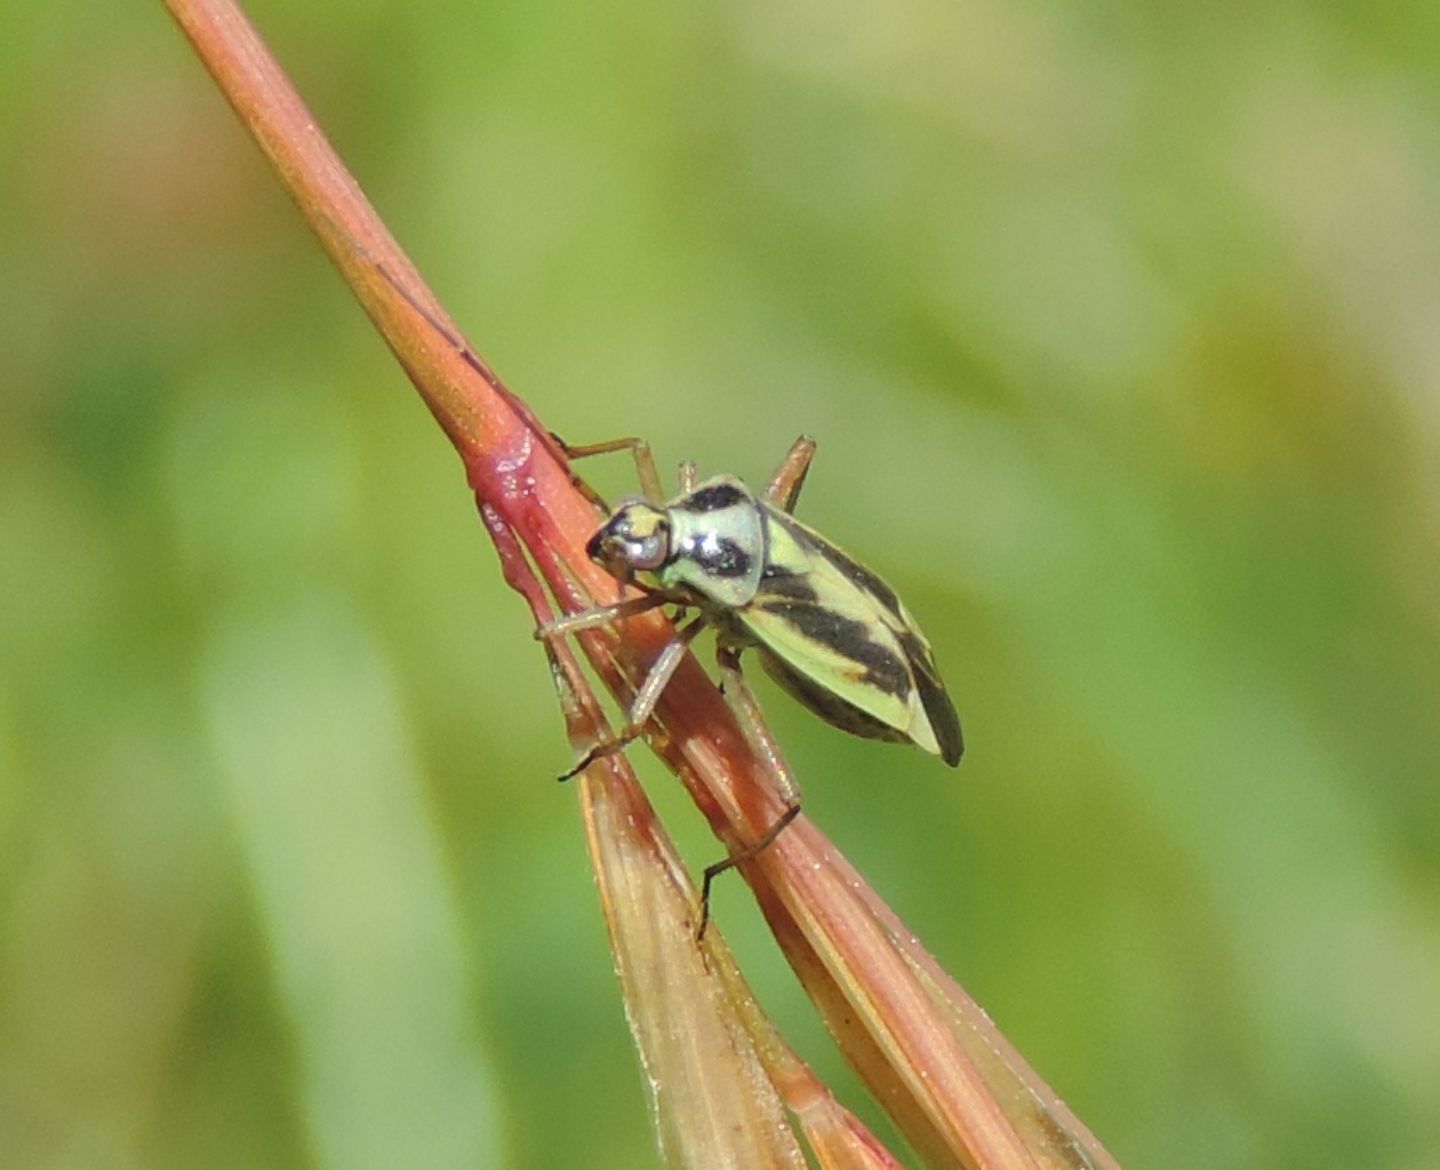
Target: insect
{"type": "Point", "coordinates": [827, 629]}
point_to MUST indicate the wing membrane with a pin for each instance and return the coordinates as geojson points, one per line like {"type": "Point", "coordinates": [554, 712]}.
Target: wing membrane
{"type": "Point", "coordinates": [830, 621]}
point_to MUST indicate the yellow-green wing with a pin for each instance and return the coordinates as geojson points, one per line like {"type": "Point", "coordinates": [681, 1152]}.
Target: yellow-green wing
{"type": "Point", "coordinates": [836, 636]}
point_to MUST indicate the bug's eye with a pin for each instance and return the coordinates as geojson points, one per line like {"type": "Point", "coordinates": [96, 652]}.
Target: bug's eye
{"type": "Point", "coordinates": [650, 551]}
{"type": "Point", "coordinates": [637, 539]}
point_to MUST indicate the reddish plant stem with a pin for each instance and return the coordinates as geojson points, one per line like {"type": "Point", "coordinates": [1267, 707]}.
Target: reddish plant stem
{"type": "Point", "coordinates": [528, 495]}
{"type": "Point", "coordinates": [511, 460]}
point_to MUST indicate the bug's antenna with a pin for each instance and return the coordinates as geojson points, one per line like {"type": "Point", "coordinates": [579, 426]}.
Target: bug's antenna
{"type": "Point", "coordinates": [471, 359]}
{"type": "Point", "coordinates": [457, 343]}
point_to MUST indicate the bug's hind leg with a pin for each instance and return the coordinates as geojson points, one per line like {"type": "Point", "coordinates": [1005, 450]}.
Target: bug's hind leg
{"type": "Point", "coordinates": [643, 705]}
{"type": "Point", "coordinates": [747, 710]}
{"type": "Point", "coordinates": [639, 449]}
{"type": "Point", "coordinates": [746, 706]}
{"type": "Point", "coordinates": [784, 486]}
{"type": "Point", "coordinates": [754, 849]}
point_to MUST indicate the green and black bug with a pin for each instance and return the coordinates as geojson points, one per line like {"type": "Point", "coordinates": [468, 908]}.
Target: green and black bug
{"type": "Point", "coordinates": [827, 629]}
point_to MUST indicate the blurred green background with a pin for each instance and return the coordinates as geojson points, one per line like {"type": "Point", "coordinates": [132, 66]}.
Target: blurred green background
{"type": "Point", "coordinates": [1119, 327]}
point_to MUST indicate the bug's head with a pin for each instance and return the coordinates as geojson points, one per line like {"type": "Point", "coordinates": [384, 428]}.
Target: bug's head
{"type": "Point", "coordinates": [635, 539]}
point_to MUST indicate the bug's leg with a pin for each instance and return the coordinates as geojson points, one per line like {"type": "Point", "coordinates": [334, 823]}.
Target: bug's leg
{"type": "Point", "coordinates": [752, 850]}
{"type": "Point", "coordinates": [645, 699]}
{"type": "Point", "coordinates": [689, 477]}
{"type": "Point", "coordinates": [746, 706]}
{"type": "Point", "coordinates": [747, 711]}
{"type": "Point", "coordinates": [601, 615]}
{"type": "Point", "coordinates": [784, 486]}
{"type": "Point", "coordinates": [644, 461]}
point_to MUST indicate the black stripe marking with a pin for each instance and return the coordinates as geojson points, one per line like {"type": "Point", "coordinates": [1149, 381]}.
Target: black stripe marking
{"type": "Point", "coordinates": [779, 581]}
{"type": "Point", "coordinates": [826, 704]}
{"type": "Point", "coordinates": [720, 557]}
{"type": "Point", "coordinates": [856, 572]}
{"type": "Point", "coordinates": [862, 577]}
{"type": "Point", "coordinates": [939, 710]}
{"type": "Point", "coordinates": [848, 638]}
{"type": "Point", "coordinates": [713, 498]}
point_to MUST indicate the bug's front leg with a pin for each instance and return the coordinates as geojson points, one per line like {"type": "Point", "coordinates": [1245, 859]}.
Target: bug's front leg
{"type": "Point", "coordinates": [784, 486]}
{"type": "Point", "coordinates": [645, 468]}
{"type": "Point", "coordinates": [601, 615]}
{"type": "Point", "coordinates": [643, 705]}
{"type": "Point", "coordinates": [747, 712]}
